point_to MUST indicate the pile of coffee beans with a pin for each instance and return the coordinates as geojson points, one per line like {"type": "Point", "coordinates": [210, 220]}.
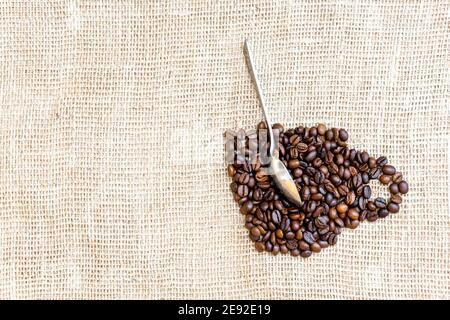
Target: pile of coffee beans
{"type": "Point", "coordinates": [332, 180]}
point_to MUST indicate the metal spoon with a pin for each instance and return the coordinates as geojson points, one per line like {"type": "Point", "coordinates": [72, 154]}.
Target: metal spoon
{"type": "Point", "coordinates": [280, 174]}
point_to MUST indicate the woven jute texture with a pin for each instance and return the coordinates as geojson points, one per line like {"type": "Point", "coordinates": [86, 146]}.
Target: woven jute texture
{"type": "Point", "coordinates": [112, 171]}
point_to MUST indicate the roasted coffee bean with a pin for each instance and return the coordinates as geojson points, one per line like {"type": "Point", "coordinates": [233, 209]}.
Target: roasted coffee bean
{"type": "Point", "coordinates": [321, 222]}
{"type": "Point", "coordinates": [380, 203]}
{"type": "Point", "coordinates": [372, 216]}
{"type": "Point", "coordinates": [332, 213]}
{"type": "Point", "coordinates": [397, 177]}
{"type": "Point", "coordinates": [315, 247]}
{"type": "Point", "coordinates": [305, 254]}
{"type": "Point", "coordinates": [341, 208]}
{"type": "Point", "coordinates": [353, 213]}
{"type": "Point", "coordinates": [332, 239]}
{"type": "Point", "coordinates": [383, 213]}
{"type": "Point", "coordinates": [343, 135]}
{"type": "Point", "coordinates": [231, 170]}
{"type": "Point", "coordinates": [292, 244]}
{"type": "Point", "coordinates": [247, 207]}
{"type": "Point", "coordinates": [396, 198]}
{"type": "Point", "coordinates": [293, 164]}
{"type": "Point", "coordinates": [366, 192]}
{"type": "Point", "coordinates": [375, 173]}
{"type": "Point", "coordinates": [260, 246]}
{"type": "Point", "coordinates": [388, 169]}
{"type": "Point", "coordinates": [293, 153]}
{"type": "Point", "coordinates": [255, 232]}
{"type": "Point", "coordinates": [257, 195]}
{"type": "Point", "coordinates": [295, 139]}
{"type": "Point", "coordinates": [403, 187]}
{"type": "Point", "coordinates": [276, 217]}
{"type": "Point", "coordinates": [244, 178]}
{"type": "Point", "coordinates": [310, 156]}
{"type": "Point", "coordinates": [350, 198]}
{"type": "Point", "coordinates": [302, 147]}
{"type": "Point", "coordinates": [305, 193]}
{"type": "Point", "coordinates": [371, 206]}
{"type": "Point", "coordinates": [381, 161]}
{"type": "Point", "coordinates": [393, 207]}
{"type": "Point", "coordinates": [308, 237]}
{"type": "Point", "coordinates": [393, 188]}
{"type": "Point", "coordinates": [242, 190]}
{"type": "Point", "coordinates": [278, 205]}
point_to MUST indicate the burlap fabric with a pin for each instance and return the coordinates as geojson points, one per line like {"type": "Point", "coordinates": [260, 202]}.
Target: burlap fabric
{"type": "Point", "coordinates": [112, 173]}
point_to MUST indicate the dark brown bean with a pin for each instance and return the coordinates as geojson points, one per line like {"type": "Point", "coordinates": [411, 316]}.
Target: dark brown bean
{"type": "Point", "coordinates": [310, 156]}
{"type": "Point", "coordinates": [247, 207]}
{"type": "Point", "coordinates": [343, 135]}
{"type": "Point", "coordinates": [393, 188]}
{"type": "Point", "coordinates": [385, 179]}
{"type": "Point", "coordinates": [242, 190]}
{"type": "Point", "coordinates": [367, 192]}
{"type": "Point", "coordinates": [403, 187]}
{"type": "Point", "coordinates": [380, 203]}
{"type": "Point", "coordinates": [276, 217]}
{"type": "Point", "coordinates": [388, 169]}
{"type": "Point", "coordinates": [393, 207]}
{"type": "Point", "coordinates": [302, 147]}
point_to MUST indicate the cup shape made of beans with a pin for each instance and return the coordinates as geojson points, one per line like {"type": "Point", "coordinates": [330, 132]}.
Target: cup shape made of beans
{"type": "Point", "coordinates": [332, 180]}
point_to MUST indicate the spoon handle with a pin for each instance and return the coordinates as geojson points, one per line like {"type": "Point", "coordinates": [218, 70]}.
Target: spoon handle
{"type": "Point", "coordinates": [251, 68]}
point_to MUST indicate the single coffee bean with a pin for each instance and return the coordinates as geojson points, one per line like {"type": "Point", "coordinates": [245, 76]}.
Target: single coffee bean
{"type": "Point", "coordinates": [403, 187]}
{"type": "Point", "coordinates": [276, 217]}
{"type": "Point", "coordinates": [302, 147]}
{"type": "Point", "coordinates": [242, 190]}
{"type": "Point", "coordinates": [310, 156]}
{"type": "Point", "coordinates": [293, 153]}
{"type": "Point", "coordinates": [315, 247]}
{"type": "Point", "coordinates": [255, 232]}
{"type": "Point", "coordinates": [396, 198]}
{"type": "Point", "coordinates": [343, 135]}
{"type": "Point", "coordinates": [353, 213]}
{"type": "Point", "coordinates": [231, 170]}
{"type": "Point", "coordinates": [350, 198]}
{"type": "Point", "coordinates": [308, 237]}
{"type": "Point", "coordinates": [260, 246]}
{"type": "Point", "coordinates": [305, 254]}
{"type": "Point", "coordinates": [372, 216]}
{"type": "Point", "coordinates": [247, 207]}
{"type": "Point", "coordinates": [366, 192]}
{"type": "Point", "coordinates": [371, 206]}
{"type": "Point", "coordinates": [375, 173]}
{"type": "Point", "coordinates": [295, 140]}
{"type": "Point", "coordinates": [332, 239]}
{"type": "Point", "coordinates": [341, 208]}
{"type": "Point", "coordinates": [393, 188]}
{"type": "Point", "coordinates": [388, 169]}
{"type": "Point", "coordinates": [257, 195]}
{"type": "Point", "coordinates": [381, 161]}
{"type": "Point", "coordinates": [244, 178]}
{"type": "Point", "coordinates": [380, 203]}
{"type": "Point", "coordinates": [279, 233]}
{"type": "Point", "coordinates": [332, 213]}
{"type": "Point", "coordinates": [397, 177]}
{"type": "Point", "coordinates": [383, 213]}
{"type": "Point", "coordinates": [293, 164]}
{"type": "Point", "coordinates": [393, 207]}
{"type": "Point", "coordinates": [321, 129]}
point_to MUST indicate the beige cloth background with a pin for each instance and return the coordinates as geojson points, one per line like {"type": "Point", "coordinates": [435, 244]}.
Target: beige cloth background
{"type": "Point", "coordinates": [112, 174]}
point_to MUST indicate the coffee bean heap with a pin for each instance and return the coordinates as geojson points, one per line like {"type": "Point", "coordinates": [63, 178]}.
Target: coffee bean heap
{"type": "Point", "coordinates": [332, 180]}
